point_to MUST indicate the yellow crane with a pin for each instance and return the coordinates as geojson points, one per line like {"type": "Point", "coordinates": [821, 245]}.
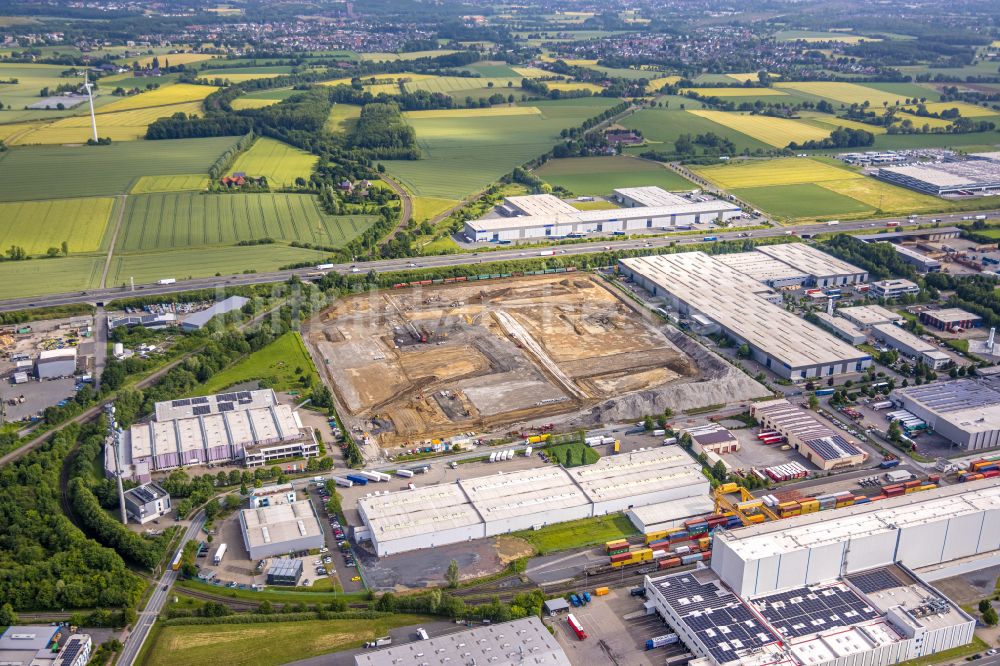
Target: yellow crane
{"type": "Point", "coordinates": [749, 509]}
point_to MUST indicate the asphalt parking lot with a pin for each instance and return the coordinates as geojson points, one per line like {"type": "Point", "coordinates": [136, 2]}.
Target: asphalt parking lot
{"type": "Point", "coordinates": [37, 396]}
{"type": "Point", "coordinates": [611, 638]}
{"type": "Point", "coordinates": [345, 573]}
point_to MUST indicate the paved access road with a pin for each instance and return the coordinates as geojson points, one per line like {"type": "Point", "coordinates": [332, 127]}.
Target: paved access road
{"type": "Point", "coordinates": [437, 261]}
{"type": "Point", "coordinates": [161, 592]}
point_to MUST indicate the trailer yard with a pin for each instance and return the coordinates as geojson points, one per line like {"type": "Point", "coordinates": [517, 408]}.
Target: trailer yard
{"type": "Point", "coordinates": [430, 362]}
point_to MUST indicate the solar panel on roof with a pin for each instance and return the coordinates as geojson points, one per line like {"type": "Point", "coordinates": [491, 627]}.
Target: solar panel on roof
{"type": "Point", "coordinates": [180, 403]}
{"type": "Point", "coordinates": [199, 401]}
{"type": "Point", "coordinates": [226, 407]}
{"type": "Point", "coordinates": [803, 611]}
{"type": "Point", "coordinates": [870, 582]}
{"type": "Point", "coordinates": [201, 410]}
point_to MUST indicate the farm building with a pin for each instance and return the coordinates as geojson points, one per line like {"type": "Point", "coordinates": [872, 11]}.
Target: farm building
{"type": "Point", "coordinates": [146, 502]}
{"type": "Point", "coordinates": [948, 319]}
{"type": "Point", "coordinates": [866, 316]}
{"type": "Point", "coordinates": [909, 344]}
{"type": "Point", "coordinates": [201, 318]}
{"type": "Point", "coordinates": [245, 426]}
{"type": "Point", "coordinates": [500, 503]}
{"type": "Point", "coordinates": [524, 641]}
{"type": "Point", "coordinates": [881, 616]}
{"type": "Point", "coordinates": [281, 529]}
{"type": "Point", "coordinates": [965, 411]}
{"type": "Point", "coordinates": [55, 363]}
{"type": "Point", "coordinates": [966, 177]}
{"type": "Point", "coordinates": [814, 440]}
{"type": "Point", "coordinates": [546, 216]}
{"type": "Point", "coordinates": [916, 530]}
{"type": "Point", "coordinates": [712, 438]}
{"type": "Point", "coordinates": [893, 288]}
{"type": "Point", "coordinates": [824, 269]}
{"type": "Point", "coordinates": [842, 328]}
{"type": "Point", "coordinates": [696, 284]}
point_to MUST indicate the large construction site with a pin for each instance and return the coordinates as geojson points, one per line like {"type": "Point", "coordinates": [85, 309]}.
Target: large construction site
{"type": "Point", "coordinates": [417, 363]}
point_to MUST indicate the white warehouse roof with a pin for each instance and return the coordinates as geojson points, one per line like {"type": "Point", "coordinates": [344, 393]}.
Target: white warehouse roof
{"type": "Point", "coordinates": [417, 512]}
{"type": "Point", "coordinates": [687, 208]}
{"type": "Point", "coordinates": [809, 260]}
{"type": "Point", "coordinates": [651, 196]}
{"type": "Point", "coordinates": [280, 523]}
{"type": "Point", "coordinates": [637, 473]}
{"type": "Point", "coordinates": [523, 493]}
{"type": "Point", "coordinates": [726, 296]}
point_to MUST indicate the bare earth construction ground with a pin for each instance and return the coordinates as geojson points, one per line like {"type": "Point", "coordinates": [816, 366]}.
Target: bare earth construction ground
{"type": "Point", "coordinates": [496, 353]}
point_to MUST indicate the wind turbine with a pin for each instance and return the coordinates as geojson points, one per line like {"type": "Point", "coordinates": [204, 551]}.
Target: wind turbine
{"type": "Point", "coordinates": [90, 96]}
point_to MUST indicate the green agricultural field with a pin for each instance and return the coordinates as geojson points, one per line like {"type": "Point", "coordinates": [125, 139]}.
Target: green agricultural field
{"type": "Point", "coordinates": [280, 163]}
{"type": "Point", "coordinates": [284, 364]}
{"type": "Point", "coordinates": [491, 69]}
{"type": "Point", "coordinates": [48, 172]}
{"type": "Point", "coordinates": [49, 276]}
{"type": "Point", "coordinates": [426, 208]}
{"type": "Point", "coordinates": [190, 220]}
{"type": "Point", "coordinates": [237, 74]}
{"type": "Point", "coordinates": [266, 644]}
{"type": "Point", "coordinates": [600, 175]}
{"type": "Point", "coordinates": [578, 533]}
{"type": "Point", "coordinates": [190, 182]}
{"type": "Point", "coordinates": [31, 79]}
{"type": "Point", "coordinates": [38, 225]}
{"type": "Point", "coordinates": [625, 73]}
{"type": "Point", "coordinates": [342, 117]}
{"type": "Point", "coordinates": [458, 85]}
{"type": "Point", "coordinates": [800, 201]}
{"type": "Point", "coordinates": [204, 262]}
{"type": "Point", "coordinates": [462, 155]}
{"type": "Point", "coordinates": [665, 125]}
{"type": "Point", "coordinates": [412, 55]}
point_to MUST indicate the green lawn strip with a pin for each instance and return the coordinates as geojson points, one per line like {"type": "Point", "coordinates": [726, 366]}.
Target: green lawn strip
{"type": "Point", "coordinates": [265, 644]}
{"type": "Point", "coordinates": [275, 596]}
{"type": "Point", "coordinates": [800, 201]}
{"type": "Point", "coordinates": [977, 645]}
{"type": "Point", "coordinates": [279, 365]}
{"type": "Point", "coordinates": [578, 533]}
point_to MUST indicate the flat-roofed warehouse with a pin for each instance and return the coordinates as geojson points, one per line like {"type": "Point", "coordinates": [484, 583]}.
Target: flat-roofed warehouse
{"type": "Point", "coordinates": [420, 518]}
{"type": "Point", "coordinates": [826, 270]}
{"type": "Point", "coordinates": [695, 283]}
{"type": "Point", "coordinates": [813, 439]}
{"type": "Point", "coordinates": [975, 176]}
{"type": "Point", "coordinates": [946, 319]}
{"type": "Point", "coordinates": [965, 411]}
{"type": "Point", "coordinates": [867, 316]}
{"type": "Point", "coordinates": [511, 502]}
{"type": "Point", "coordinates": [842, 328]}
{"type": "Point", "coordinates": [877, 617]}
{"type": "Point", "coordinates": [911, 345]}
{"type": "Point", "coordinates": [546, 216]}
{"type": "Point", "coordinates": [617, 483]}
{"type": "Point", "coordinates": [521, 642]}
{"type": "Point", "coordinates": [280, 529]}
{"type": "Point", "coordinates": [917, 530]}
{"type": "Point", "coordinates": [500, 503]}
{"type": "Point", "coordinates": [766, 269]}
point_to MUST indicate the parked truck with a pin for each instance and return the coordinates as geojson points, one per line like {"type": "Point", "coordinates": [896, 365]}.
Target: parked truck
{"type": "Point", "coordinates": [379, 642]}
{"type": "Point", "coordinates": [360, 480]}
{"type": "Point", "coordinates": [219, 554]}
{"type": "Point", "coordinates": [660, 641]}
{"type": "Point", "coordinates": [324, 267]}
{"type": "Point", "coordinates": [405, 473]}
{"type": "Point", "coordinates": [577, 628]}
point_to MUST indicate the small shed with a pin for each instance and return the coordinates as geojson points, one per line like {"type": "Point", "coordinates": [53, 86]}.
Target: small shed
{"type": "Point", "coordinates": [554, 606]}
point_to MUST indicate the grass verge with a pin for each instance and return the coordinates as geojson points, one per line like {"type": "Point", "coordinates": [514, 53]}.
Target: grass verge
{"type": "Point", "coordinates": [578, 533]}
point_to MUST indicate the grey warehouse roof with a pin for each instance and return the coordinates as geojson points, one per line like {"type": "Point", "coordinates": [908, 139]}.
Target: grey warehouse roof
{"type": "Point", "coordinates": [974, 404]}
{"type": "Point", "coordinates": [524, 641]}
{"type": "Point", "coordinates": [723, 294]}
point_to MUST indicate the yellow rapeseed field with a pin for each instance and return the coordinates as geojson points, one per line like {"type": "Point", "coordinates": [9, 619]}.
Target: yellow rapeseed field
{"type": "Point", "coordinates": [778, 132]}
{"type": "Point", "coordinates": [784, 171]}
{"type": "Point", "coordinates": [163, 96]}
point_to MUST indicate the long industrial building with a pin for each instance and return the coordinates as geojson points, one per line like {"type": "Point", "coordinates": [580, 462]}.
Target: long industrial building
{"type": "Point", "coordinates": [247, 427]}
{"type": "Point", "coordinates": [547, 216]}
{"type": "Point", "coordinates": [696, 284]}
{"type": "Point", "coordinates": [826, 270]}
{"type": "Point", "coordinates": [965, 411]}
{"type": "Point", "coordinates": [812, 438]}
{"type": "Point", "coordinates": [916, 530]}
{"type": "Point", "coordinates": [968, 177]}
{"type": "Point", "coordinates": [280, 529]}
{"type": "Point", "coordinates": [484, 506]}
{"type": "Point", "coordinates": [877, 617]}
{"type": "Point", "coordinates": [911, 345]}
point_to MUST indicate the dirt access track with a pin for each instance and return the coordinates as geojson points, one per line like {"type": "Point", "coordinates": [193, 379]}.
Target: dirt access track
{"type": "Point", "coordinates": [411, 364]}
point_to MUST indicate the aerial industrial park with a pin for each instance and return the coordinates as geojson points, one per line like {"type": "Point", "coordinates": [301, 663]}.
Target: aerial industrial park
{"type": "Point", "coordinates": [465, 333]}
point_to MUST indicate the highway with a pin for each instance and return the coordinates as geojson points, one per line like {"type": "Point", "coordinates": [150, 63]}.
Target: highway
{"type": "Point", "coordinates": [161, 592]}
{"type": "Point", "coordinates": [467, 258]}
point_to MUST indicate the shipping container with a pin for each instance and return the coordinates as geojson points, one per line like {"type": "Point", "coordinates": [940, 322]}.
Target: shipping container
{"type": "Point", "coordinates": [668, 563]}
{"type": "Point", "coordinates": [360, 480]}
{"type": "Point", "coordinates": [601, 591]}
{"type": "Point", "coordinates": [405, 473]}
{"type": "Point", "coordinates": [621, 557]}
{"type": "Point", "coordinates": [691, 559]}
{"type": "Point", "coordinates": [661, 641]}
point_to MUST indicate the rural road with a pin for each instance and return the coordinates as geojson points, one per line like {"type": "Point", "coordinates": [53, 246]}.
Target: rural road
{"type": "Point", "coordinates": [405, 203]}
{"type": "Point", "coordinates": [161, 592]}
{"type": "Point", "coordinates": [438, 261]}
